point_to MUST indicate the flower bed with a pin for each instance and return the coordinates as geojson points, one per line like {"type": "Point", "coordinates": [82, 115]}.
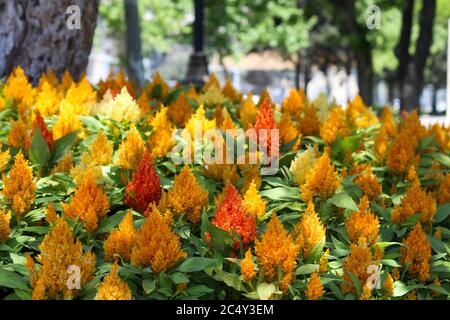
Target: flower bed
{"type": "Point", "coordinates": [98, 202]}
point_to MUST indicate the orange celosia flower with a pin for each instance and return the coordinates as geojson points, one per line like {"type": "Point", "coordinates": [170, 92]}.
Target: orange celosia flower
{"type": "Point", "coordinates": [248, 111]}
{"type": "Point", "coordinates": [402, 153]}
{"type": "Point", "coordinates": [248, 267]}
{"type": "Point", "coordinates": [309, 122]}
{"type": "Point", "coordinates": [156, 245]}
{"type": "Point", "coordinates": [158, 88]}
{"type": "Point", "coordinates": [388, 285]}
{"type": "Point", "coordinates": [314, 289]}
{"type": "Point", "coordinates": [89, 204]}
{"type": "Point", "coordinates": [253, 202]}
{"type": "Point", "coordinates": [80, 98]}
{"type": "Point", "coordinates": [161, 141]}
{"type": "Point", "coordinates": [64, 165]}
{"type": "Point", "coordinates": [265, 123]}
{"type": "Point", "coordinates": [415, 201]}
{"type": "Point", "coordinates": [19, 187]}
{"type": "Point", "coordinates": [363, 225]}
{"type": "Point", "coordinates": [368, 182]}
{"type": "Point", "coordinates": [334, 126]}
{"type": "Point", "coordinates": [5, 218]}
{"type": "Point", "coordinates": [18, 135]}
{"type": "Point", "coordinates": [295, 102]}
{"type": "Point", "coordinates": [180, 111]}
{"type": "Point", "coordinates": [120, 240]}
{"type": "Point", "coordinates": [59, 251]}
{"type": "Point", "coordinates": [395, 274]}
{"type": "Point", "coordinates": [366, 293]}
{"type": "Point", "coordinates": [443, 195]}
{"type": "Point", "coordinates": [101, 150]}
{"type": "Point", "coordinates": [131, 150]}
{"type": "Point", "coordinates": [411, 295]}
{"type": "Point", "coordinates": [113, 287]}
{"type": "Point", "coordinates": [388, 122]}
{"type": "Point", "coordinates": [357, 262]}
{"type": "Point", "coordinates": [145, 188]}
{"type": "Point", "coordinates": [321, 180]}
{"type": "Point", "coordinates": [417, 253]}
{"type": "Point", "coordinates": [310, 230]}
{"type": "Point", "coordinates": [229, 91]}
{"type": "Point", "coordinates": [47, 99]}
{"type": "Point", "coordinates": [50, 214]}
{"type": "Point", "coordinates": [324, 261]}
{"type": "Point", "coordinates": [359, 115]}
{"type": "Point", "coordinates": [20, 91]}
{"type": "Point", "coordinates": [115, 83]}
{"type": "Point", "coordinates": [187, 196]}
{"type": "Point", "coordinates": [289, 131]}
{"type": "Point", "coordinates": [212, 81]}
{"type": "Point", "coordinates": [276, 250]}
{"type": "Point", "coordinates": [144, 104]}
{"type": "Point", "coordinates": [68, 122]}
{"type": "Point", "coordinates": [230, 215]}
{"type": "Point", "coordinates": [66, 81]}
{"type": "Point", "coordinates": [5, 156]}
{"type": "Point", "coordinates": [46, 134]}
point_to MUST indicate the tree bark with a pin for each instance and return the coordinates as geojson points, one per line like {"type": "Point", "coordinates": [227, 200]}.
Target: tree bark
{"type": "Point", "coordinates": [413, 82]}
{"type": "Point", "coordinates": [35, 35]}
{"type": "Point", "coordinates": [135, 66]}
{"type": "Point", "coordinates": [402, 49]}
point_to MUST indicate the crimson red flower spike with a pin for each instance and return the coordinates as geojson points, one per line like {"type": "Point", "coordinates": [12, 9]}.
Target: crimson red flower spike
{"type": "Point", "coordinates": [46, 133]}
{"type": "Point", "coordinates": [145, 188]}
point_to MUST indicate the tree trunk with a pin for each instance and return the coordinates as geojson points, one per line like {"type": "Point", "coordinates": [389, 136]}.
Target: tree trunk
{"type": "Point", "coordinates": [39, 35]}
{"type": "Point", "coordinates": [135, 66]}
{"type": "Point", "coordinates": [297, 70]}
{"type": "Point", "coordinates": [413, 82]}
{"type": "Point", "coordinates": [365, 75]}
{"type": "Point", "coordinates": [434, 91]}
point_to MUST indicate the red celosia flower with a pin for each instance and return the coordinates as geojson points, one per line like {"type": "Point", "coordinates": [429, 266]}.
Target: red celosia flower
{"type": "Point", "coordinates": [145, 188]}
{"type": "Point", "coordinates": [265, 120]}
{"type": "Point", "coordinates": [46, 133]}
{"type": "Point", "coordinates": [230, 214]}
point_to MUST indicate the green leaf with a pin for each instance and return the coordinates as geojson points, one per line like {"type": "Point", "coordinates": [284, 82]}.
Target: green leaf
{"type": "Point", "coordinates": [198, 291]}
{"type": "Point", "coordinates": [343, 200]}
{"type": "Point", "coordinates": [148, 285]}
{"type": "Point", "coordinates": [109, 223]}
{"type": "Point", "coordinates": [445, 160]}
{"type": "Point", "coordinates": [178, 278]}
{"type": "Point", "coordinates": [63, 145]}
{"type": "Point", "coordinates": [356, 283]}
{"type": "Point", "coordinates": [221, 240]}
{"type": "Point", "coordinates": [194, 264]}
{"type": "Point", "coordinates": [437, 245]}
{"type": "Point", "coordinates": [39, 152]}
{"type": "Point", "coordinates": [281, 194]}
{"type": "Point", "coordinates": [265, 290]}
{"type": "Point", "coordinates": [230, 279]}
{"type": "Point", "coordinates": [306, 269]}
{"type": "Point", "coordinates": [443, 211]}
{"type": "Point", "coordinates": [12, 280]}
{"type": "Point", "coordinates": [391, 263]}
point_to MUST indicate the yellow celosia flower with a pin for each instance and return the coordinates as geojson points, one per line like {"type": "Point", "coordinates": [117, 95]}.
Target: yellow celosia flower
{"type": "Point", "coordinates": [322, 106]}
{"type": "Point", "coordinates": [314, 289]}
{"type": "Point", "coordinates": [113, 287]}
{"type": "Point", "coordinates": [66, 81]}
{"type": "Point", "coordinates": [156, 245]}
{"type": "Point", "coordinates": [276, 250]}
{"type": "Point", "coordinates": [363, 225]}
{"type": "Point", "coordinates": [18, 135]}
{"type": "Point", "coordinates": [334, 126]}
{"type": "Point", "coordinates": [212, 82]}
{"type": "Point", "coordinates": [253, 202]}
{"type": "Point", "coordinates": [302, 163]}
{"type": "Point", "coordinates": [47, 99]}
{"type": "Point", "coordinates": [248, 267]}
{"type": "Point", "coordinates": [187, 196]}
{"type": "Point", "coordinates": [68, 122]}
{"type": "Point", "coordinates": [19, 90]}
{"type": "Point", "coordinates": [161, 141]}
{"type": "Point", "coordinates": [289, 131]}
{"type": "Point", "coordinates": [359, 115]}
{"type": "Point", "coordinates": [120, 241]}
{"type": "Point", "coordinates": [250, 173]}
{"type": "Point", "coordinates": [19, 187]}
{"type": "Point", "coordinates": [131, 150]}
{"type": "Point", "coordinates": [120, 108]}
{"type": "Point", "coordinates": [357, 262]}
{"type": "Point", "coordinates": [369, 184]}
{"type": "Point", "coordinates": [59, 251]}
{"type": "Point", "coordinates": [366, 294]}
{"type": "Point", "coordinates": [213, 96]}
{"type": "Point", "coordinates": [248, 112]}
{"type": "Point", "coordinates": [321, 180]}
{"type": "Point", "coordinates": [381, 146]}
{"type": "Point", "coordinates": [388, 285]}
{"type": "Point", "coordinates": [229, 91]}
{"type": "Point", "coordinates": [144, 104]}
{"type": "Point", "coordinates": [415, 201]}
{"type": "Point", "coordinates": [101, 150]}
{"type": "Point", "coordinates": [5, 156]}
{"type": "Point", "coordinates": [90, 204]}
{"type": "Point", "coordinates": [180, 111]}
{"type": "Point", "coordinates": [310, 230]}
{"type": "Point", "coordinates": [295, 102]}
{"type": "Point", "coordinates": [5, 218]}
{"type": "Point", "coordinates": [50, 214]}
{"type": "Point", "coordinates": [324, 262]}
{"type": "Point", "coordinates": [63, 165]}
{"type": "Point", "coordinates": [80, 98]}
{"type": "Point", "coordinates": [416, 253]}
{"type": "Point", "coordinates": [80, 170]}
{"type": "Point", "coordinates": [443, 195]}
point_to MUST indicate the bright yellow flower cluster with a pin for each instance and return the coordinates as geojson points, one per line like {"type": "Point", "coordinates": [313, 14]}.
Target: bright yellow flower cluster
{"type": "Point", "coordinates": [60, 253]}
{"type": "Point", "coordinates": [131, 150]}
{"type": "Point", "coordinates": [113, 287]}
{"type": "Point", "coordinates": [248, 267]}
{"type": "Point", "coordinates": [357, 262]}
{"type": "Point", "coordinates": [334, 126]}
{"type": "Point", "coordinates": [253, 202]}
{"type": "Point", "coordinates": [19, 187]}
{"type": "Point", "coordinates": [120, 241]}
{"type": "Point", "coordinates": [5, 218]}
{"type": "Point", "coordinates": [161, 141]}
{"type": "Point", "coordinates": [301, 165]}
{"type": "Point", "coordinates": [310, 230]}
{"type": "Point", "coordinates": [314, 289]}
{"type": "Point", "coordinates": [363, 225]}
{"type": "Point", "coordinates": [417, 253]}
